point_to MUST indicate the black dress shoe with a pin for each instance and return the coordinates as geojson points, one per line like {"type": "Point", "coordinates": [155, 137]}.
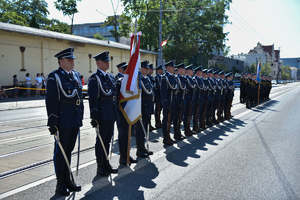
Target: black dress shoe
{"type": "Point", "coordinates": [132, 160]}
{"type": "Point", "coordinates": [142, 154]}
{"type": "Point", "coordinates": [110, 170]}
{"type": "Point", "coordinates": [151, 128]}
{"type": "Point", "coordinates": [168, 142]}
{"type": "Point", "coordinates": [101, 172]}
{"type": "Point", "coordinates": [72, 187]}
{"type": "Point", "coordinates": [149, 153]}
{"type": "Point", "coordinates": [61, 190]}
{"type": "Point", "coordinates": [124, 162]}
{"type": "Point", "coordinates": [180, 137]}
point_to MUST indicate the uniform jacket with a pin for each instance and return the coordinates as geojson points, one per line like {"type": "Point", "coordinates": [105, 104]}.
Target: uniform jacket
{"type": "Point", "coordinates": [64, 99]}
{"type": "Point", "coordinates": [102, 92]}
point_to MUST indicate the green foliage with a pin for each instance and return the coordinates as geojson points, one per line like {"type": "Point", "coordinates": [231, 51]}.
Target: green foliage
{"type": "Point", "coordinates": [252, 68]}
{"type": "Point", "coordinates": [31, 13]}
{"type": "Point", "coordinates": [99, 36]}
{"type": "Point", "coordinates": [285, 73]}
{"type": "Point", "coordinates": [266, 69]}
{"type": "Point", "coordinates": [194, 28]}
{"type": "Point", "coordinates": [68, 7]}
{"type": "Point", "coordinates": [57, 26]}
{"type": "Point", "coordinates": [113, 21]}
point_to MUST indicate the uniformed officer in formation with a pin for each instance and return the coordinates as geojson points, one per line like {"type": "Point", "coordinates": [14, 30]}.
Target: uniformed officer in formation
{"type": "Point", "coordinates": [157, 88]}
{"type": "Point", "coordinates": [147, 106]}
{"type": "Point", "coordinates": [229, 96]}
{"type": "Point", "coordinates": [189, 100]}
{"type": "Point", "coordinates": [223, 83]}
{"type": "Point", "coordinates": [199, 99]}
{"type": "Point", "coordinates": [65, 113]}
{"type": "Point", "coordinates": [152, 81]}
{"type": "Point", "coordinates": [102, 90]}
{"type": "Point", "coordinates": [122, 124]}
{"type": "Point", "coordinates": [167, 95]}
{"type": "Point", "coordinates": [250, 89]}
{"type": "Point", "coordinates": [179, 98]}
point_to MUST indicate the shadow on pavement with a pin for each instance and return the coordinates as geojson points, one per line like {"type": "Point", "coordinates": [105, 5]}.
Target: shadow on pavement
{"type": "Point", "coordinates": [129, 186]}
{"type": "Point", "coordinates": [266, 106]}
{"type": "Point", "coordinates": [209, 136]}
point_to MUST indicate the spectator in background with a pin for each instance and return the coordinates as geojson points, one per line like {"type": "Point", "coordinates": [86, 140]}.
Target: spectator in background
{"type": "Point", "coordinates": [15, 84]}
{"type": "Point", "coordinates": [82, 80]}
{"type": "Point", "coordinates": [43, 83]}
{"type": "Point", "coordinates": [28, 83]}
{"type": "Point", "coordinates": [3, 95]}
{"type": "Point", "coordinates": [38, 83]}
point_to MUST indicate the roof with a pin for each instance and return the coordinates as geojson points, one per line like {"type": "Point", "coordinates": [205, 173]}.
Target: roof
{"type": "Point", "coordinates": [268, 49]}
{"type": "Point", "coordinates": [63, 36]}
{"type": "Point", "coordinates": [291, 62]}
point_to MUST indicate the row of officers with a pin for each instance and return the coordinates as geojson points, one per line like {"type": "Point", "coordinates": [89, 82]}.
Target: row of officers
{"type": "Point", "coordinates": [183, 94]}
{"type": "Point", "coordinates": [253, 92]}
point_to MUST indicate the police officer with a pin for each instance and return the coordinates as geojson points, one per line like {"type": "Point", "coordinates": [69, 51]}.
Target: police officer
{"type": "Point", "coordinates": [147, 103]}
{"type": "Point", "coordinates": [157, 87]}
{"type": "Point", "coordinates": [121, 69]}
{"type": "Point", "coordinates": [152, 81]}
{"type": "Point", "coordinates": [210, 98]}
{"type": "Point", "coordinates": [102, 92]}
{"type": "Point", "coordinates": [205, 100]}
{"type": "Point", "coordinates": [189, 100]}
{"type": "Point", "coordinates": [122, 124]}
{"type": "Point", "coordinates": [222, 83]}
{"type": "Point", "coordinates": [229, 96]}
{"type": "Point", "coordinates": [167, 92]}
{"type": "Point", "coordinates": [179, 99]}
{"type": "Point", "coordinates": [65, 113]}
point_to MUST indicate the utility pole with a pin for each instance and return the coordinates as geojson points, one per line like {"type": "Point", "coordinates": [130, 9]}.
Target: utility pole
{"type": "Point", "coordinates": [160, 56]}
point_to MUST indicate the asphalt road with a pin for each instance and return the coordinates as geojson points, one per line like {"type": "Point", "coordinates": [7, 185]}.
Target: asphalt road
{"type": "Point", "coordinates": [253, 156]}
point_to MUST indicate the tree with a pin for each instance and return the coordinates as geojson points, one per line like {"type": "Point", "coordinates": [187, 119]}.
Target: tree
{"type": "Point", "coordinates": [194, 28]}
{"type": "Point", "coordinates": [57, 26]}
{"type": "Point", "coordinates": [69, 8]}
{"type": "Point", "coordinates": [285, 73]}
{"type": "Point", "coordinates": [252, 68]}
{"type": "Point", "coordinates": [31, 13]}
{"type": "Point", "coordinates": [266, 69]}
{"type": "Point", "coordinates": [99, 36]}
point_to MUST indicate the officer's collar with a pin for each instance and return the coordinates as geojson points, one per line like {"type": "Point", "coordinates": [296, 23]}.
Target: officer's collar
{"type": "Point", "coordinates": [101, 71]}
{"type": "Point", "coordinates": [65, 72]}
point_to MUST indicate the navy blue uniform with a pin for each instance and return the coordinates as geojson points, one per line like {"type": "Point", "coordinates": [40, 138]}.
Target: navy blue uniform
{"type": "Point", "coordinates": [179, 98]}
{"type": "Point", "coordinates": [65, 111]}
{"type": "Point", "coordinates": [204, 97]}
{"type": "Point", "coordinates": [167, 94]}
{"type": "Point", "coordinates": [228, 99]}
{"type": "Point", "coordinates": [221, 104]}
{"type": "Point", "coordinates": [190, 98]}
{"type": "Point", "coordinates": [210, 101]}
{"type": "Point", "coordinates": [102, 92]}
{"type": "Point", "coordinates": [147, 110]}
{"type": "Point", "coordinates": [199, 103]}
{"type": "Point", "coordinates": [158, 106]}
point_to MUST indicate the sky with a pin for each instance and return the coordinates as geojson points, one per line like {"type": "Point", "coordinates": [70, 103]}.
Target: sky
{"type": "Point", "coordinates": [266, 21]}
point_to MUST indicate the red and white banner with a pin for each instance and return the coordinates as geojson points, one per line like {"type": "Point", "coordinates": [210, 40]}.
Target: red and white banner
{"type": "Point", "coordinates": [130, 92]}
{"type": "Point", "coordinates": [163, 43]}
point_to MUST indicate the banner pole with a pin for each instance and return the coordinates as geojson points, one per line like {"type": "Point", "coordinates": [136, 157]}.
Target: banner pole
{"type": "Point", "coordinates": [128, 145]}
{"type": "Point", "coordinates": [258, 93]}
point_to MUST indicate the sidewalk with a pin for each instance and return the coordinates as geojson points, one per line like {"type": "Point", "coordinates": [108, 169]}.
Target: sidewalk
{"type": "Point", "coordinates": [24, 102]}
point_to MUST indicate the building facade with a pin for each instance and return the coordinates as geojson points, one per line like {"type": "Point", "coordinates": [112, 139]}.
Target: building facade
{"type": "Point", "coordinates": [230, 64]}
{"type": "Point", "coordinates": [29, 50]}
{"type": "Point", "coordinates": [263, 54]}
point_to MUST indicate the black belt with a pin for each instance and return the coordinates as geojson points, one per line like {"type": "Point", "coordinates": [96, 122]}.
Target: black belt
{"type": "Point", "coordinates": [72, 101]}
{"type": "Point", "coordinates": [107, 98]}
